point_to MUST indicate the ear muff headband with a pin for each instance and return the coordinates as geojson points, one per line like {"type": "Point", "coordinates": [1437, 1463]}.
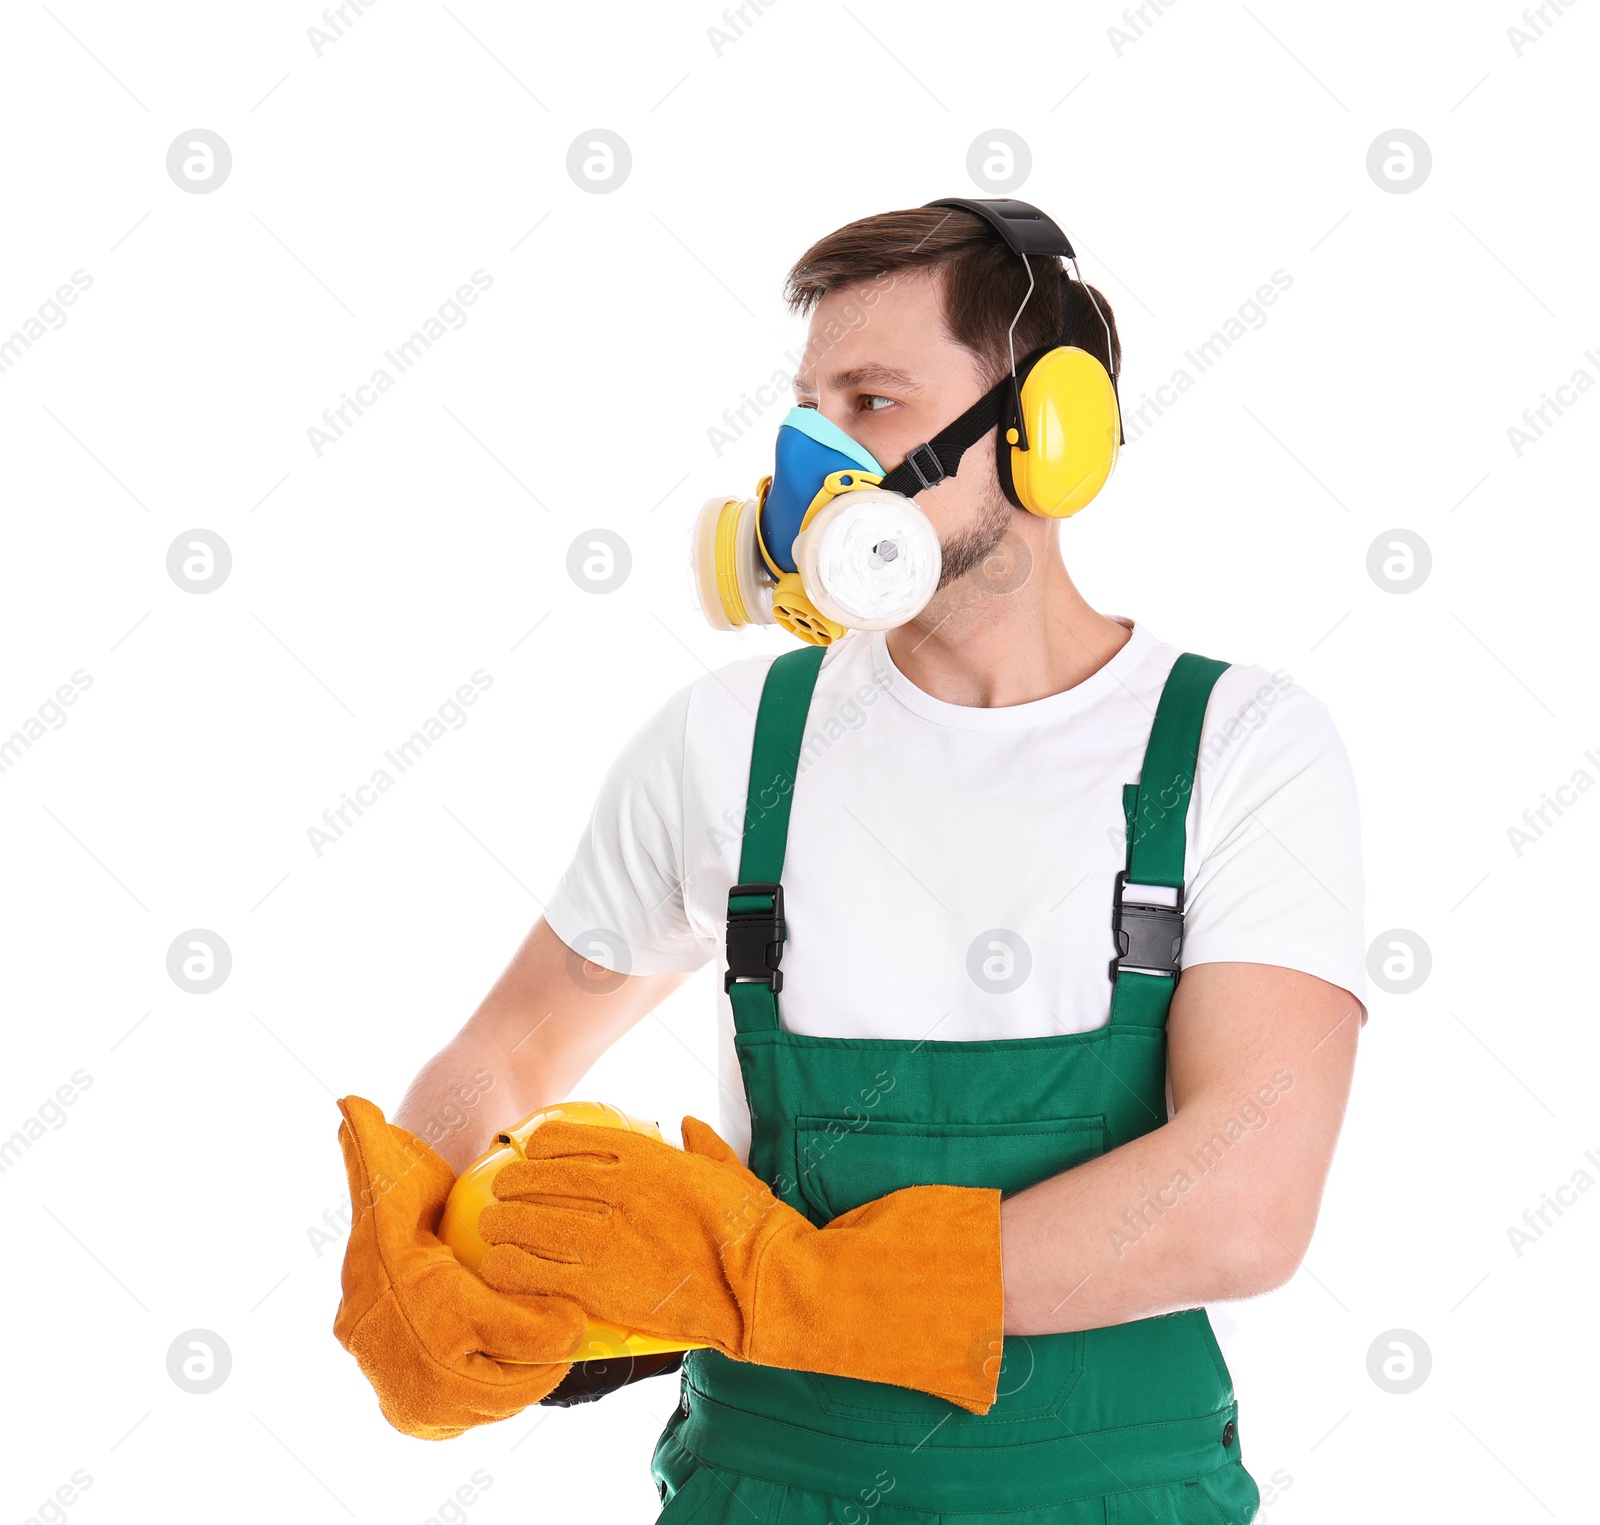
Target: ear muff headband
{"type": "Point", "coordinates": [1026, 230]}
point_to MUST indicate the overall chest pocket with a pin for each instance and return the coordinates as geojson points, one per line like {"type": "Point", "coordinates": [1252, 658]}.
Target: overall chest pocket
{"type": "Point", "coordinates": [844, 1162]}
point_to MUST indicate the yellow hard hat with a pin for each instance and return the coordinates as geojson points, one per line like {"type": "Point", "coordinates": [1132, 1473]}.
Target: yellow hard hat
{"type": "Point", "coordinates": [474, 1191]}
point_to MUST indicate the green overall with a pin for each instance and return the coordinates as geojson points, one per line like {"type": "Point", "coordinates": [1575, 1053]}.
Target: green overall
{"type": "Point", "coordinates": [1134, 1424]}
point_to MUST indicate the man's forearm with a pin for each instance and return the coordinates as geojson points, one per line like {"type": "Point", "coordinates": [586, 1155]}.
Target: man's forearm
{"type": "Point", "coordinates": [1160, 1224]}
{"type": "Point", "coordinates": [1219, 1202]}
{"type": "Point", "coordinates": [462, 1096]}
{"type": "Point", "coordinates": [548, 1018]}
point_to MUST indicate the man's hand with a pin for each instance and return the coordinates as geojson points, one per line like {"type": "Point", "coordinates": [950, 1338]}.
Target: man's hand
{"type": "Point", "coordinates": [620, 1220]}
{"type": "Point", "coordinates": [436, 1344]}
{"type": "Point", "coordinates": [690, 1244]}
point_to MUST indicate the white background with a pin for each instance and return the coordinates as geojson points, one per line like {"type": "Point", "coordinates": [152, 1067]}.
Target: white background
{"type": "Point", "coordinates": [368, 182]}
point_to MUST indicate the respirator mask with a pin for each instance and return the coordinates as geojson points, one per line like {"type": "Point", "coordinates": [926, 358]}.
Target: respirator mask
{"type": "Point", "coordinates": [821, 548]}
{"type": "Point", "coordinates": [832, 542]}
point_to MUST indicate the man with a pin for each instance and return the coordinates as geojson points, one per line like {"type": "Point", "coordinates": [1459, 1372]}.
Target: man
{"type": "Point", "coordinates": [982, 1112]}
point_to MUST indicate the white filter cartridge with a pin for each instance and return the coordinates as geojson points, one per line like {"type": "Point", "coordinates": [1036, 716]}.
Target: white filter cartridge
{"type": "Point", "coordinates": [869, 559]}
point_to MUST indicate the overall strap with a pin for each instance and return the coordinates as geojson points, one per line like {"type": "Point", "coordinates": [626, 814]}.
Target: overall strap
{"type": "Point", "coordinates": [1147, 907]}
{"type": "Point", "coordinates": [755, 904]}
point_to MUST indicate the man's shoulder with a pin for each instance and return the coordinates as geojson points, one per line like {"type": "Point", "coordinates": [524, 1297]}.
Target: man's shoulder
{"type": "Point", "coordinates": [1261, 718]}
{"type": "Point", "coordinates": [1253, 709]}
{"type": "Point", "coordinates": [720, 695]}
{"type": "Point", "coordinates": [735, 687]}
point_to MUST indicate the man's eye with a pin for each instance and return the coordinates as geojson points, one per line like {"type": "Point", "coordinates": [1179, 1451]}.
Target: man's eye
{"type": "Point", "coordinates": [871, 403]}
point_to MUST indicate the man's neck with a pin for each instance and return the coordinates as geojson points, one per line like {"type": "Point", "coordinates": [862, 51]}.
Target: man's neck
{"type": "Point", "coordinates": [1014, 630]}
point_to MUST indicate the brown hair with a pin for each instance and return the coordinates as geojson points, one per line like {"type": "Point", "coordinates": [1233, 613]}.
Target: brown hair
{"type": "Point", "coordinates": [982, 281]}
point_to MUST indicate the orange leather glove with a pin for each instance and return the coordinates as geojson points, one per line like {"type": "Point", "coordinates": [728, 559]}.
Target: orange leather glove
{"type": "Point", "coordinates": [689, 1244]}
{"type": "Point", "coordinates": [429, 1336]}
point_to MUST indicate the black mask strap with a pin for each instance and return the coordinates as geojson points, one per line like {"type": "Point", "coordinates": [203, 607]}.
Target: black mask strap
{"type": "Point", "coordinates": [999, 408]}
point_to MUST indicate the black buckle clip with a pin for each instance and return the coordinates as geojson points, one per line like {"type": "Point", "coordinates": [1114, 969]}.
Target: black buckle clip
{"type": "Point", "coordinates": [1148, 937]}
{"type": "Point", "coordinates": [1014, 419]}
{"type": "Point", "coordinates": [919, 473]}
{"type": "Point", "coordinates": [755, 939]}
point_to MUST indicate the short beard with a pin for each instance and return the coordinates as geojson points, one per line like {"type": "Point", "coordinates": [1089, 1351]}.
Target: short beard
{"type": "Point", "coordinates": [974, 545]}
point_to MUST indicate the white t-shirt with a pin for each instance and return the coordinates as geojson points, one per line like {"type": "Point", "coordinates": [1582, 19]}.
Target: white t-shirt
{"type": "Point", "coordinates": [927, 838]}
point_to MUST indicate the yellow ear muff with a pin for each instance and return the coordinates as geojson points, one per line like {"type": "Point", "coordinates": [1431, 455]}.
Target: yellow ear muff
{"type": "Point", "coordinates": [1069, 410]}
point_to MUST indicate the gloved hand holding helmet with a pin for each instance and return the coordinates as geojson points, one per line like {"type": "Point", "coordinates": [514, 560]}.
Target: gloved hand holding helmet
{"type": "Point", "coordinates": [443, 1351]}
{"type": "Point", "coordinates": [691, 1246]}
{"type": "Point", "coordinates": [609, 1355]}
